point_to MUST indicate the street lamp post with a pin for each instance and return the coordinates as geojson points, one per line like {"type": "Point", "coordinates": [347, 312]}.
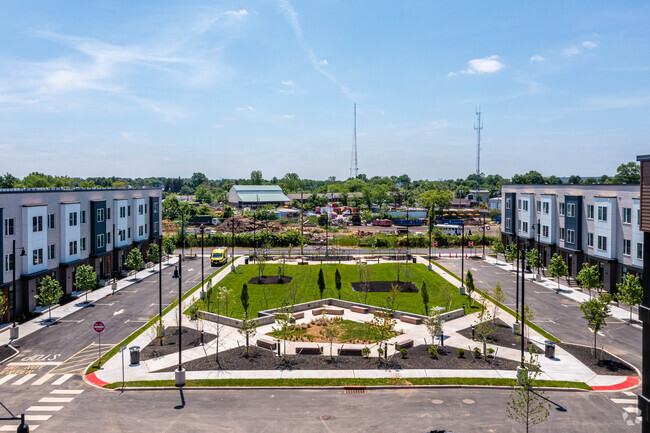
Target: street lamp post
{"type": "Point", "coordinates": [523, 308]}
{"type": "Point", "coordinates": [517, 288]}
{"type": "Point", "coordinates": [327, 232]}
{"type": "Point", "coordinates": [202, 262]}
{"type": "Point", "coordinates": [483, 255]}
{"type": "Point", "coordinates": [180, 373]}
{"type": "Point", "coordinates": [13, 284]}
{"type": "Point", "coordinates": [160, 253]}
{"type": "Point", "coordinates": [431, 216]}
{"type": "Point", "coordinates": [232, 246]}
{"type": "Point", "coordinates": [462, 257]}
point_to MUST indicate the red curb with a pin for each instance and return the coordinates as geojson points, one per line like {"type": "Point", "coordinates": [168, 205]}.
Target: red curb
{"type": "Point", "coordinates": [92, 378]}
{"type": "Point", "coordinates": [630, 382]}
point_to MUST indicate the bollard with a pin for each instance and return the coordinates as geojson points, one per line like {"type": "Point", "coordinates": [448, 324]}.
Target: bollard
{"type": "Point", "coordinates": [473, 333]}
{"type": "Point", "coordinates": [456, 255]}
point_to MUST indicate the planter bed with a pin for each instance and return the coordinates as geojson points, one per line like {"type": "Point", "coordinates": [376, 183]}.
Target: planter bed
{"type": "Point", "coordinates": [191, 338]}
{"type": "Point", "coordinates": [605, 364]}
{"type": "Point", "coordinates": [418, 357]}
{"type": "Point", "coordinates": [503, 336]}
{"type": "Point", "coordinates": [270, 279]}
{"type": "Point", "coordinates": [384, 286]}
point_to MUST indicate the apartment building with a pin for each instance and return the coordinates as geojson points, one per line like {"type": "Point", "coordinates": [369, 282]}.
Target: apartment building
{"type": "Point", "coordinates": [52, 231]}
{"type": "Point", "coordinates": [596, 224]}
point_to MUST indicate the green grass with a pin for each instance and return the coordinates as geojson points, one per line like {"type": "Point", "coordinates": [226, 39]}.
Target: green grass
{"type": "Point", "coordinates": [305, 277]}
{"type": "Point", "coordinates": [350, 331]}
{"type": "Point", "coordinates": [467, 381]}
{"type": "Point", "coordinates": [503, 307]}
{"type": "Point", "coordinates": [108, 355]}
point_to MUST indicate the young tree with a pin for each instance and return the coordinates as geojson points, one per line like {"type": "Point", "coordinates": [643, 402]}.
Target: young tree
{"type": "Point", "coordinates": [244, 298]}
{"type": "Point", "coordinates": [558, 268]}
{"type": "Point", "coordinates": [284, 328]}
{"type": "Point", "coordinates": [434, 325]}
{"type": "Point", "coordinates": [337, 282]}
{"type": "Point", "coordinates": [596, 311]}
{"type": "Point", "coordinates": [168, 245]}
{"type": "Point", "coordinates": [447, 292]}
{"type": "Point", "coordinates": [85, 279]}
{"type": "Point", "coordinates": [384, 326]}
{"type": "Point", "coordinates": [260, 261]}
{"type": "Point", "coordinates": [248, 329]}
{"type": "Point", "coordinates": [49, 293]}
{"type": "Point", "coordinates": [500, 296]}
{"type": "Point", "coordinates": [630, 291]}
{"type": "Point", "coordinates": [321, 283]}
{"type": "Point", "coordinates": [4, 304]}
{"type": "Point", "coordinates": [134, 260]}
{"type": "Point", "coordinates": [153, 253]}
{"type": "Point", "coordinates": [331, 332]}
{"type": "Point", "coordinates": [364, 279]}
{"type": "Point", "coordinates": [526, 405]}
{"type": "Point", "coordinates": [424, 292]}
{"type": "Point", "coordinates": [534, 259]}
{"type": "Point", "coordinates": [484, 325]}
{"type": "Point", "coordinates": [395, 290]}
{"type": "Point", "coordinates": [589, 278]}
{"type": "Point", "coordinates": [498, 248]}
{"type": "Point", "coordinates": [511, 253]}
{"type": "Point", "coordinates": [469, 285]}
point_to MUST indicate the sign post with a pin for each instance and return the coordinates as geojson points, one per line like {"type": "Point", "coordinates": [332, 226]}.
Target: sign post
{"type": "Point", "coordinates": [122, 349]}
{"type": "Point", "coordinates": [99, 328]}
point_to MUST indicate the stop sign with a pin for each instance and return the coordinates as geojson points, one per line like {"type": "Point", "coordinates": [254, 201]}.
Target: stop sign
{"type": "Point", "coordinates": [99, 326]}
{"type": "Point", "coordinates": [471, 244]}
{"type": "Point", "coordinates": [435, 243]}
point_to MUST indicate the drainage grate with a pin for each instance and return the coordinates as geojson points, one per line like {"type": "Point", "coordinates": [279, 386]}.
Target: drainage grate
{"type": "Point", "coordinates": [354, 390]}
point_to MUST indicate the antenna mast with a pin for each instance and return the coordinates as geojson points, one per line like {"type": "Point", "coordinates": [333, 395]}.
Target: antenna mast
{"type": "Point", "coordinates": [477, 127]}
{"type": "Point", "coordinates": [354, 163]}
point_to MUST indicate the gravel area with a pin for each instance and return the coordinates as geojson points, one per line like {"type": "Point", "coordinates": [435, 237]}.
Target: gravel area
{"type": "Point", "coordinates": [502, 336]}
{"type": "Point", "coordinates": [384, 286]}
{"type": "Point", "coordinates": [604, 363]}
{"type": "Point", "coordinates": [191, 338]}
{"type": "Point", "coordinates": [6, 352]}
{"type": "Point", "coordinates": [418, 357]}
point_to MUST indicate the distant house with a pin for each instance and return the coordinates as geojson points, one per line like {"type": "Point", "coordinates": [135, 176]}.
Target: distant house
{"type": "Point", "coordinates": [331, 196]}
{"type": "Point", "coordinates": [494, 203]}
{"type": "Point", "coordinates": [482, 194]}
{"type": "Point", "coordinates": [254, 196]}
{"type": "Point", "coordinates": [460, 203]}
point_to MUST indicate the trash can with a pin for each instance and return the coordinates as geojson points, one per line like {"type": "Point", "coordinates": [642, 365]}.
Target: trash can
{"type": "Point", "coordinates": [549, 349]}
{"type": "Point", "coordinates": [246, 261]}
{"type": "Point", "coordinates": [135, 355]}
{"type": "Point", "coordinates": [414, 260]}
{"type": "Point", "coordinates": [13, 333]}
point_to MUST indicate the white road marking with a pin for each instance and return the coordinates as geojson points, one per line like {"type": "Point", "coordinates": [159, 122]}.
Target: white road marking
{"type": "Point", "coordinates": [43, 379]}
{"type": "Point", "coordinates": [118, 312]}
{"type": "Point", "coordinates": [67, 391]}
{"type": "Point", "coordinates": [71, 321]}
{"type": "Point", "coordinates": [7, 378]}
{"type": "Point", "coordinates": [107, 305]}
{"type": "Point", "coordinates": [630, 393]}
{"type": "Point", "coordinates": [56, 400]}
{"type": "Point", "coordinates": [624, 400]}
{"type": "Point", "coordinates": [32, 363]}
{"type": "Point", "coordinates": [13, 427]}
{"type": "Point", "coordinates": [190, 270]}
{"type": "Point", "coordinates": [62, 379]}
{"type": "Point", "coordinates": [37, 418]}
{"type": "Point", "coordinates": [630, 409]}
{"type": "Point", "coordinates": [25, 378]}
{"type": "Point", "coordinates": [45, 408]}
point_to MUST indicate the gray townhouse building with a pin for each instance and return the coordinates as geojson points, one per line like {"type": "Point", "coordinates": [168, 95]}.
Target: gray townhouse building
{"type": "Point", "coordinates": [596, 224]}
{"type": "Point", "coordinates": [52, 231]}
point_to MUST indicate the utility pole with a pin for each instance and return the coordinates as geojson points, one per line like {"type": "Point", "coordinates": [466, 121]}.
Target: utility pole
{"type": "Point", "coordinates": [302, 223]}
{"type": "Point", "coordinates": [354, 163]}
{"type": "Point", "coordinates": [477, 127]}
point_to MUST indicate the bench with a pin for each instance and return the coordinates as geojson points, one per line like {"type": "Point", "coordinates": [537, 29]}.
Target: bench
{"type": "Point", "coordinates": [362, 310]}
{"type": "Point", "coordinates": [334, 311]}
{"type": "Point", "coordinates": [350, 351]}
{"type": "Point", "coordinates": [297, 316]}
{"type": "Point", "coordinates": [309, 350]}
{"type": "Point", "coordinates": [411, 320]}
{"type": "Point", "coordinates": [317, 312]}
{"type": "Point", "coordinates": [403, 343]}
{"type": "Point", "coordinates": [266, 343]}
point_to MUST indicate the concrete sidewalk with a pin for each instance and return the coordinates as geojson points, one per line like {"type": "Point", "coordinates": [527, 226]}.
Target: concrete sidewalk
{"type": "Point", "coordinates": [62, 311]}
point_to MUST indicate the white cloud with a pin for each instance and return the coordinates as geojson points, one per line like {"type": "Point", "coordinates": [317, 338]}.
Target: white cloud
{"type": "Point", "coordinates": [287, 83]}
{"type": "Point", "coordinates": [451, 74]}
{"type": "Point", "coordinates": [238, 14]}
{"type": "Point", "coordinates": [288, 116]}
{"type": "Point", "coordinates": [486, 65]}
{"type": "Point", "coordinates": [323, 62]}
{"type": "Point", "coordinates": [589, 45]}
{"type": "Point", "coordinates": [571, 51]}
{"type": "Point", "coordinates": [247, 108]}
{"type": "Point", "coordinates": [537, 58]}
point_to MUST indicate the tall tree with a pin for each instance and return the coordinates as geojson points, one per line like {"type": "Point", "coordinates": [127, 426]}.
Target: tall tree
{"type": "Point", "coordinates": [500, 297]}
{"type": "Point", "coordinates": [248, 328]}
{"type": "Point", "coordinates": [321, 283]}
{"type": "Point", "coordinates": [534, 259]}
{"type": "Point", "coordinates": [337, 282]}
{"type": "Point", "coordinates": [589, 278]}
{"type": "Point", "coordinates": [256, 177]}
{"type": "Point", "coordinates": [469, 285]}
{"type": "Point", "coordinates": [629, 173]}
{"type": "Point", "coordinates": [630, 291]}
{"type": "Point", "coordinates": [424, 292]}
{"type": "Point", "coordinates": [49, 293]}
{"type": "Point", "coordinates": [244, 297]}
{"type": "Point", "coordinates": [85, 279]}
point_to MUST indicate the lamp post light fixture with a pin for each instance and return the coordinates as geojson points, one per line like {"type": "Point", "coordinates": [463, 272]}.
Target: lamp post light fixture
{"type": "Point", "coordinates": [179, 375]}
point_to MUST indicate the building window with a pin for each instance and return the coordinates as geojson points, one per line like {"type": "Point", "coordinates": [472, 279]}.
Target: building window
{"type": "Point", "coordinates": [122, 212]}
{"type": "Point", "coordinates": [83, 244]}
{"type": "Point", "coordinates": [571, 210]}
{"type": "Point", "coordinates": [627, 215]}
{"type": "Point", "coordinates": [155, 205]}
{"type": "Point", "coordinates": [602, 213]}
{"type": "Point", "coordinates": [627, 247]}
{"type": "Point", "coordinates": [37, 256]}
{"type": "Point", "coordinates": [561, 233]}
{"type": "Point", "coordinates": [73, 219]}
{"type": "Point", "coordinates": [108, 237]}
{"type": "Point", "coordinates": [561, 208]}
{"type": "Point", "coordinates": [50, 221]}
{"type": "Point", "coordinates": [525, 204]}
{"type": "Point", "coordinates": [140, 231]}
{"type": "Point", "coordinates": [545, 231]}
{"type": "Point", "coordinates": [519, 204]}
{"type": "Point", "coordinates": [507, 205]}
{"type": "Point", "coordinates": [73, 248]}
{"type": "Point", "coordinates": [590, 211]}
{"type": "Point", "coordinates": [37, 224]}
{"type": "Point", "coordinates": [145, 208]}
{"type": "Point", "coordinates": [50, 252]}
{"type": "Point", "coordinates": [9, 227]}
{"type": "Point", "coordinates": [155, 227]}
{"type": "Point", "coordinates": [9, 262]}
{"type": "Point", "coordinates": [128, 210]}
{"type": "Point", "coordinates": [571, 236]}
{"type": "Point", "coordinates": [590, 239]}
{"type": "Point", "coordinates": [638, 217]}
{"type": "Point", "coordinates": [545, 206]}
{"type": "Point", "coordinates": [100, 215]}
{"type": "Point", "coordinates": [508, 224]}
{"type": "Point", "coordinates": [122, 235]}
{"type": "Point", "coordinates": [525, 227]}
{"type": "Point", "coordinates": [108, 213]}
{"type": "Point", "coordinates": [519, 225]}
{"type": "Point", "coordinates": [539, 206]}
{"type": "Point", "coordinates": [145, 229]}
{"type": "Point", "coordinates": [140, 209]}
{"type": "Point", "coordinates": [639, 251]}
{"type": "Point", "coordinates": [100, 241]}
{"type": "Point", "coordinates": [602, 243]}
{"type": "Point", "coordinates": [83, 217]}
{"type": "Point", "coordinates": [129, 234]}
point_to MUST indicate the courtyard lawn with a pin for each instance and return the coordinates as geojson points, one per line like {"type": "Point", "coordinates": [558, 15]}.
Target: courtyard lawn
{"type": "Point", "coordinates": [304, 288]}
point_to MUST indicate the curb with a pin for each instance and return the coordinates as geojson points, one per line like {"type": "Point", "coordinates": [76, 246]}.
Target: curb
{"type": "Point", "coordinates": [12, 356]}
{"type": "Point", "coordinates": [628, 383]}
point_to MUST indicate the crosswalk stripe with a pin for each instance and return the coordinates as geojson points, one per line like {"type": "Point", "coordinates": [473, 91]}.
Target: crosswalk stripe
{"type": "Point", "coordinates": [45, 408]}
{"type": "Point", "coordinates": [43, 379]}
{"type": "Point", "coordinates": [56, 399]}
{"type": "Point", "coordinates": [624, 400]}
{"type": "Point", "coordinates": [62, 379]}
{"type": "Point", "coordinates": [37, 417]}
{"type": "Point", "coordinates": [7, 378]}
{"type": "Point", "coordinates": [67, 391]}
{"type": "Point", "coordinates": [630, 409]}
{"type": "Point", "coordinates": [13, 427]}
{"type": "Point", "coordinates": [24, 379]}
{"type": "Point", "coordinates": [630, 393]}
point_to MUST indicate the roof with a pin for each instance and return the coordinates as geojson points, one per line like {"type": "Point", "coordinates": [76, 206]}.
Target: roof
{"type": "Point", "coordinates": [266, 188]}
{"type": "Point", "coordinates": [260, 193]}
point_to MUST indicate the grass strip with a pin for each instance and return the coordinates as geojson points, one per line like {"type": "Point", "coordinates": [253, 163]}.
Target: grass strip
{"type": "Point", "coordinates": [503, 307]}
{"type": "Point", "coordinates": [316, 382]}
{"type": "Point", "coordinates": [108, 355]}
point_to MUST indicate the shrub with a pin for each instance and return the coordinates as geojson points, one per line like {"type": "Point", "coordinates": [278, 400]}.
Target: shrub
{"type": "Point", "coordinates": [365, 352]}
{"type": "Point", "coordinates": [433, 351]}
{"type": "Point", "coordinates": [461, 352]}
{"type": "Point", "coordinates": [380, 351]}
{"type": "Point", "coordinates": [490, 352]}
{"type": "Point", "coordinates": [477, 352]}
{"type": "Point", "coordinates": [404, 352]}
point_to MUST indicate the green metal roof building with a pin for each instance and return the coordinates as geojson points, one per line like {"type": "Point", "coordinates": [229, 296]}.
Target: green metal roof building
{"type": "Point", "coordinates": [253, 196]}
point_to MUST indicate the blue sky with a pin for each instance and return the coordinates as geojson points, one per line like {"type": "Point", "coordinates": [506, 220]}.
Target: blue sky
{"type": "Point", "coordinates": [166, 89]}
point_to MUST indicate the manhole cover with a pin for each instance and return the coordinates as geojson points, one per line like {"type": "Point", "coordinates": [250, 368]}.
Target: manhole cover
{"type": "Point", "coordinates": [436, 401]}
{"type": "Point", "coordinates": [326, 417]}
{"type": "Point", "coordinates": [468, 401]}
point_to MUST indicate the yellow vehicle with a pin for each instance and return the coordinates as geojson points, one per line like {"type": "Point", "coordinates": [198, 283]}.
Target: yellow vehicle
{"type": "Point", "coordinates": [219, 256]}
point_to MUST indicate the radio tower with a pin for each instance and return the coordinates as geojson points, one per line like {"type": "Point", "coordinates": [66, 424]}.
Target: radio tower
{"type": "Point", "coordinates": [354, 163]}
{"type": "Point", "coordinates": [477, 127]}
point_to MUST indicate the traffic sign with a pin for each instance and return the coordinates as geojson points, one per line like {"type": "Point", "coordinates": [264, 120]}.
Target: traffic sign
{"type": "Point", "coordinates": [99, 326]}
{"type": "Point", "coordinates": [435, 243]}
{"type": "Point", "coordinates": [471, 244]}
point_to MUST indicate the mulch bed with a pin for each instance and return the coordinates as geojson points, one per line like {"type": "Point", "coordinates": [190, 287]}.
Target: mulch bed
{"type": "Point", "coordinates": [270, 279]}
{"type": "Point", "coordinates": [6, 352]}
{"type": "Point", "coordinates": [502, 336]}
{"type": "Point", "coordinates": [384, 286]}
{"type": "Point", "coordinates": [604, 363]}
{"type": "Point", "coordinates": [418, 357]}
{"type": "Point", "coordinates": [191, 338]}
